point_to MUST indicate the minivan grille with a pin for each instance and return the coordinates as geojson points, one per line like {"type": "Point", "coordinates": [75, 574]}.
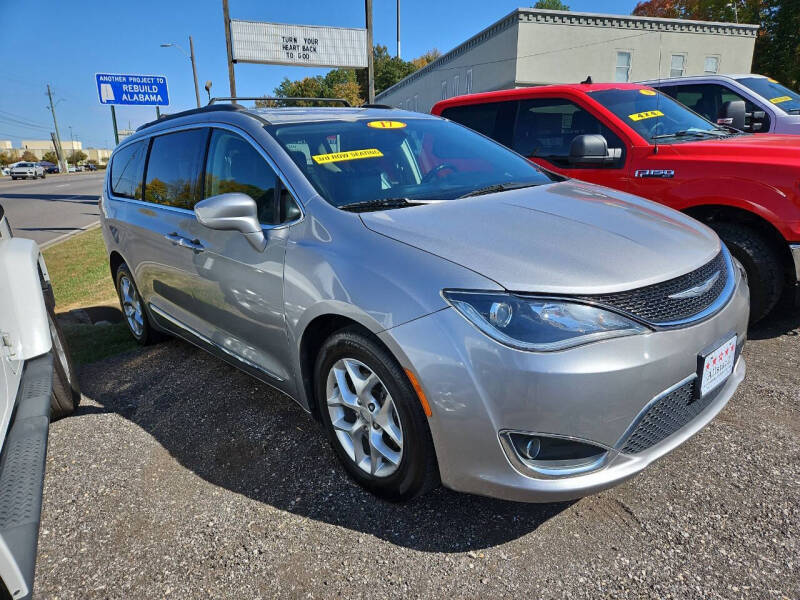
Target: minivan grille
{"type": "Point", "coordinates": [653, 304]}
{"type": "Point", "coordinates": [665, 417]}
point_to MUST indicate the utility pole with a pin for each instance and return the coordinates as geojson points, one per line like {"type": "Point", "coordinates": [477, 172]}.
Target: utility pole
{"type": "Point", "coordinates": [735, 10]}
{"type": "Point", "coordinates": [59, 149]}
{"type": "Point", "coordinates": [370, 65]}
{"type": "Point", "coordinates": [194, 71]}
{"type": "Point", "coordinates": [398, 29]}
{"type": "Point", "coordinates": [231, 75]}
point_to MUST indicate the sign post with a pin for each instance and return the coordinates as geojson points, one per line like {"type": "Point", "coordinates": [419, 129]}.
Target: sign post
{"type": "Point", "coordinates": [131, 90]}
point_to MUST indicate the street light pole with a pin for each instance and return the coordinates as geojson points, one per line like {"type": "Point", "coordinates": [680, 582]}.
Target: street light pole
{"type": "Point", "coordinates": [190, 56]}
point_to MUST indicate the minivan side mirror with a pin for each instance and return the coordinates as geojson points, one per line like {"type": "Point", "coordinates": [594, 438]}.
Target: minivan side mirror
{"type": "Point", "coordinates": [232, 212]}
{"type": "Point", "coordinates": [732, 113]}
{"type": "Point", "coordinates": [592, 149]}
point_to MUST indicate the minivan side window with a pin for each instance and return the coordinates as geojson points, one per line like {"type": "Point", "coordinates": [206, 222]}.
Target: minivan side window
{"type": "Point", "coordinates": [234, 165]}
{"type": "Point", "coordinates": [492, 119]}
{"type": "Point", "coordinates": [545, 128]}
{"type": "Point", "coordinates": [127, 169]}
{"type": "Point", "coordinates": [175, 168]}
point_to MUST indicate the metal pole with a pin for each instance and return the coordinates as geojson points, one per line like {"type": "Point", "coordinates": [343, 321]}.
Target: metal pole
{"type": "Point", "coordinates": [398, 29]}
{"type": "Point", "coordinates": [59, 149]}
{"type": "Point", "coordinates": [114, 120]}
{"type": "Point", "coordinates": [231, 75]}
{"type": "Point", "coordinates": [158, 112]}
{"type": "Point", "coordinates": [370, 65]}
{"type": "Point", "coordinates": [194, 71]}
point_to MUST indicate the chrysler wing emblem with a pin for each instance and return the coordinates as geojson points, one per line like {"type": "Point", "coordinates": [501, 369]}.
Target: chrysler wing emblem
{"type": "Point", "coordinates": [697, 290]}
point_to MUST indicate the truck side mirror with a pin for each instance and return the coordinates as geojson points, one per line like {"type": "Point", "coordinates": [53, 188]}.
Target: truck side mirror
{"type": "Point", "coordinates": [757, 120]}
{"type": "Point", "coordinates": [732, 114]}
{"type": "Point", "coordinates": [592, 149]}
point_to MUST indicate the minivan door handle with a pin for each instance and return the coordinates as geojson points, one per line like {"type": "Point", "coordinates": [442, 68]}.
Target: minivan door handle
{"type": "Point", "coordinates": [184, 242]}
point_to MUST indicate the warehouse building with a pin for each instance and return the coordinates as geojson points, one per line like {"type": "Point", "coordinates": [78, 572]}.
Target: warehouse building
{"type": "Point", "coordinates": [538, 47]}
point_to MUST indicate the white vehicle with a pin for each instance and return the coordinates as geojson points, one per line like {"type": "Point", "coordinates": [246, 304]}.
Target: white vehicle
{"type": "Point", "coordinates": [27, 170]}
{"type": "Point", "coordinates": [37, 384]}
{"type": "Point", "coordinates": [5, 171]}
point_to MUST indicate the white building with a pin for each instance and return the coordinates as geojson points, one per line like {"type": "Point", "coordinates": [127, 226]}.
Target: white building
{"type": "Point", "coordinates": [537, 47]}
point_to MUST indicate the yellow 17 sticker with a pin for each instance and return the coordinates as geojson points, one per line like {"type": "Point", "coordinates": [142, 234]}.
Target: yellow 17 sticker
{"type": "Point", "coordinates": [386, 124]}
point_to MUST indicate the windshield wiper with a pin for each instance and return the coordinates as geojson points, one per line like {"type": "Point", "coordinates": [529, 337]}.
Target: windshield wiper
{"type": "Point", "coordinates": [379, 204]}
{"type": "Point", "coordinates": [497, 187]}
{"type": "Point", "coordinates": [688, 132]}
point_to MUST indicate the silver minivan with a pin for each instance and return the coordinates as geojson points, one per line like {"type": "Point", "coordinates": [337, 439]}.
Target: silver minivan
{"type": "Point", "coordinates": [446, 310]}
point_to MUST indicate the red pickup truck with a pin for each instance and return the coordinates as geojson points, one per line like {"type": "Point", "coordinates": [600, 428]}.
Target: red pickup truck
{"type": "Point", "coordinates": [632, 138]}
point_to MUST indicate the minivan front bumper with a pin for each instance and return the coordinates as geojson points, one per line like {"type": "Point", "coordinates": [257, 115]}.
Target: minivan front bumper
{"type": "Point", "coordinates": [477, 389]}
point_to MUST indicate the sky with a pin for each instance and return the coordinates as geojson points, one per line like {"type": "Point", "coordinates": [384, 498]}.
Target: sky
{"type": "Point", "coordinates": [65, 44]}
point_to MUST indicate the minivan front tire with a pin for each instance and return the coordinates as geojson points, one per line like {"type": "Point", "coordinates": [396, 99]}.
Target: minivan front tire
{"type": "Point", "coordinates": [373, 418]}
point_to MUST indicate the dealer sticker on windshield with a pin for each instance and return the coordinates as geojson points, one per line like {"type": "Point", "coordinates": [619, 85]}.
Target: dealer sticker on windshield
{"type": "Point", "coordinates": [647, 92]}
{"type": "Point", "coordinates": [717, 366]}
{"type": "Point", "coordinates": [648, 114]}
{"type": "Point", "coordinates": [780, 99]}
{"type": "Point", "coordinates": [322, 159]}
{"type": "Point", "coordinates": [386, 124]}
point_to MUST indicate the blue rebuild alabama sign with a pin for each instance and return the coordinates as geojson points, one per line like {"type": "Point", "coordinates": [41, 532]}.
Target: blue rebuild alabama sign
{"type": "Point", "coordinates": [132, 90]}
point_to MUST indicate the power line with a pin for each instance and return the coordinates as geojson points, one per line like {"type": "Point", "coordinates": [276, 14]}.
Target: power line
{"type": "Point", "coordinates": [21, 118]}
{"type": "Point", "coordinates": [16, 123]}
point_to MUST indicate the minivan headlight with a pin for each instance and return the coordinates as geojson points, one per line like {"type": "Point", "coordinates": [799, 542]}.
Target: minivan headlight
{"type": "Point", "coordinates": [539, 324]}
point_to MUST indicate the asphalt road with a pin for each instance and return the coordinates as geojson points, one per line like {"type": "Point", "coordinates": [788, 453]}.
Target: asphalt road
{"type": "Point", "coordinates": [47, 209]}
{"type": "Point", "coordinates": [181, 477]}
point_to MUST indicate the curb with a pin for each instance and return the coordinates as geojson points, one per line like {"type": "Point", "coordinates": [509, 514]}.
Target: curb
{"type": "Point", "coordinates": [66, 236]}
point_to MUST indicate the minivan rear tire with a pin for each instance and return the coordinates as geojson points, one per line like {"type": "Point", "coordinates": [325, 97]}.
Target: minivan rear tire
{"type": "Point", "coordinates": [147, 335]}
{"type": "Point", "coordinates": [417, 472]}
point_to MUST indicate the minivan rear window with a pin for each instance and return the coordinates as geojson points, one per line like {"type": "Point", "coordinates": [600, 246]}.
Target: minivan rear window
{"type": "Point", "coordinates": [127, 168]}
{"type": "Point", "coordinates": [175, 168]}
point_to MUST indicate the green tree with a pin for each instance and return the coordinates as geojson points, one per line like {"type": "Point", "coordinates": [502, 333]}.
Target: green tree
{"type": "Point", "coordinates": [29, 156]}
{"type": "Point", "coordinates": [5, 158]}
{"type": "Point", "coordinates": [77, 156]}
{"type": "Point", "coordinates": [426, 59]}
{"type": "Point", "coordinates": [551, 5]}
{"type": "Point", "coordinates": [388, 70]}
{"type": "Point", "coordinates": [50, 156]}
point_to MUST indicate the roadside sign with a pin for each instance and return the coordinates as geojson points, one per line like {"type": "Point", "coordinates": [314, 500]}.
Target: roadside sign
{"type": "Point", "coordinates": [132, 90]}
{"type": "Point", "coordinates": [304, 45]}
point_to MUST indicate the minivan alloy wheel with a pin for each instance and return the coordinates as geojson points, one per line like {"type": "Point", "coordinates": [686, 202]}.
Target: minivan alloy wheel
{"type": "Point", "coordinates": [364, 417]}
{"type": "Point", "coordinates": [131, 306]}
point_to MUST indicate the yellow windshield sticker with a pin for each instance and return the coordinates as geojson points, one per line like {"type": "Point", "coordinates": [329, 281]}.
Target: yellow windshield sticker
{"type": "Point", "coordinates": [386, 124]}
{"type": "Point", "coordinates": [780, 99]}
{"type": "Point", "coordinates": [322, 159]}
{"type": "Point", "coordinates": [648, 114]}
{"type": "Point", "coordinates": [648, 92]}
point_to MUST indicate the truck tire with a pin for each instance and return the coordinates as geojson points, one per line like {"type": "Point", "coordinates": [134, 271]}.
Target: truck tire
{"type": "Point", "coordinates": [66, 394]}
{"type": "Point", "coordinates": [761, 261]}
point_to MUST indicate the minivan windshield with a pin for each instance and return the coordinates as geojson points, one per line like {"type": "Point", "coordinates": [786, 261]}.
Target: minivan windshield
{"type": "Point", "coordinates": [779, 95]}
{"type": "Point", "coordinates": [401, 159]}
{"type": "Point", "coordinates": [657, 117]}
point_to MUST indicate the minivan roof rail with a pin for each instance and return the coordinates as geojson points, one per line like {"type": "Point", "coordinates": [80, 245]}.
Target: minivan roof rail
{"type": "Point", "coordinates": [374, 105]}
{"type": "Point", "coordinates": [294, 99]}
{"type": "Point", "coordinates": [193, 111]}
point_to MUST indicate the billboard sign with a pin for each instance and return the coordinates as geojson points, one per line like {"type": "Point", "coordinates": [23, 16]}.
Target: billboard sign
{"type": "Point", "coordinates": [132, 90]}
{"type": "Point", "coordinates": [298, 45]}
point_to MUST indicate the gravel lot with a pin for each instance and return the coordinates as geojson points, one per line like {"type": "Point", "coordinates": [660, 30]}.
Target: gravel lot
{"type": "Point", "coordinates": [182, 477]}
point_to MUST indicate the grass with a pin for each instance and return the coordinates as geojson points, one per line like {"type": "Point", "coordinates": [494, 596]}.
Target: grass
{"type": "Point", "coordinates": [81, 278]}
{"type": "Point", "coordinates": [79, 271]}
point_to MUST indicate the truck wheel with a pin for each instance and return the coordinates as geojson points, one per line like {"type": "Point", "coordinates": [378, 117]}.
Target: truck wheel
{"type": "Point", "coordinates": [761, 262]}
{"type": "Point", "coordinates": [373, 417]}
{"type": "Point", "coordinates": [66, 394]}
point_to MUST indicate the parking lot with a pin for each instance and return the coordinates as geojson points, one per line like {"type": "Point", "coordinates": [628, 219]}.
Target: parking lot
{"type": "Point", "coordinates": [182, 477]}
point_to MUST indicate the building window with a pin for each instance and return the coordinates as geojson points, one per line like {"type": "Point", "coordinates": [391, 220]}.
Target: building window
{"type": "Point", "coordinates": [455, 85]}
{"type": "Point", "coordinates": [711, 66]}
{"type": "Point", "coordinates": [677, 65]}
{"type": "Point", "coordinates": [468, 82]}
{"type": "Point", "coordinates": [444, 90]}
{"type": "Point", "coordinates": [623, 70]}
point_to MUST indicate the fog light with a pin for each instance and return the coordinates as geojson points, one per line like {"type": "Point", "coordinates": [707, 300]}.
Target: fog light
{"type": "Point", "coordinates": [551, 457]}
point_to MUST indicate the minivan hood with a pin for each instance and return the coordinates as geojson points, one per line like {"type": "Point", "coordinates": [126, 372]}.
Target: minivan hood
{"type": "Point", "coordinates": [562, 238]}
